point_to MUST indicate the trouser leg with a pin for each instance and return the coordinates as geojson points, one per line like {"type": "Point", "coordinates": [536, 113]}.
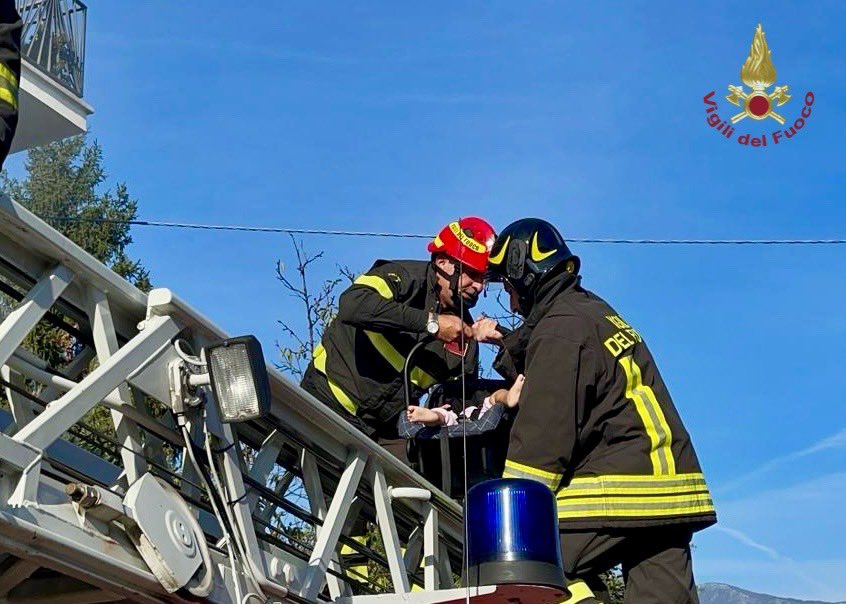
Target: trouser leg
{"type": "Point", "coordinates": [658, 569]}
{"type": "Point", "coordinates": [586, 555]}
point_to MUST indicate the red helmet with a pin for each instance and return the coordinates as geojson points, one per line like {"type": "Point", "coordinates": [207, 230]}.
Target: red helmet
{"type": "Point", "coordinates": [469, 240]}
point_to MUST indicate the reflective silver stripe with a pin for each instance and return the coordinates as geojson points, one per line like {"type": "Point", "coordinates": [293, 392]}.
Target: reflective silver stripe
{"type": "Point", "coordinates": [627, 506]}
{"type": "Point", "coordinates": [634, 485]}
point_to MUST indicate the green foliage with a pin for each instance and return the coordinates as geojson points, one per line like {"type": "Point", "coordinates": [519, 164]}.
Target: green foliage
{"type": "Point", "coordinates": [65, 181]}
{"type": "Point", "coordinates": [616, 588]}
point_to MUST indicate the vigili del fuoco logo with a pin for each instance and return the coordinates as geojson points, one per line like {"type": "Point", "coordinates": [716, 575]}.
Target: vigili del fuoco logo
{"type": "Point", "coordinates": [759, 74]}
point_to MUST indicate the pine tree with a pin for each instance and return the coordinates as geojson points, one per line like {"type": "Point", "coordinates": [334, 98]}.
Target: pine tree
{"type": "Point", "coordinates": [64, 187]}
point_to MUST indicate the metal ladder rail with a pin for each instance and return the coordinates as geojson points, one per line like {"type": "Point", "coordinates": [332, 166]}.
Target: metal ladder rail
{"type": "Point", "coordinates": [44, 246]}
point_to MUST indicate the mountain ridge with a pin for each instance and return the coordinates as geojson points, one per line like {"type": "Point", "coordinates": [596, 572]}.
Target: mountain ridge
{"type": "Point", "coordinates": [723, 593]}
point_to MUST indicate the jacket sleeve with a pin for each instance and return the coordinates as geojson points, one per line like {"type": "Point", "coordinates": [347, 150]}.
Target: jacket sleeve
{"type": "Point", "coordinates": [10, 73]}
{"type": "Point", "coordinates": [378, 300]}
{"type": "Point", "coordinates": [545, 435]}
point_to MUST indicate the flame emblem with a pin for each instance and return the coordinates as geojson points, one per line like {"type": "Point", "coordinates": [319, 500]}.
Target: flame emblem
{"type": "Point", "coordinates": [759, 73]}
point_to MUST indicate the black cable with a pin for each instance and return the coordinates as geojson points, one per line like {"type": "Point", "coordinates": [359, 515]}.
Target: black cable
{"type": "Point", "coordinates": [51, 317]}
{"type": "Point", "coordinates": [346, 233]}
{"type": "Point", "coordinates": [97, 434]}
{"type": "Point", "coordinates": [269, 495]}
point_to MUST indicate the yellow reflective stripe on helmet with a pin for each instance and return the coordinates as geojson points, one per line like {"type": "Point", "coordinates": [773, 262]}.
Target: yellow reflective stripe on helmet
{"type": "Point", "coordinates": [500, 255]}
{"type": "Point", "coordinates": [620, 484]}
{"type": "Point", "coordinates": [341, 396]}
{"type": "Point", "coordinates": [652, 416]}
{"type": "Point", "coordinates": [670, 505]}
{"type": "Point", "coordinates": [579, 592]}
{"type": "Point", "coordinates": [518, 470]}
{"type": "Point", "coordinates": [538, 255]}
{"type": "Point", "coordinates": [377, 283]}
{"type": "Point", "coordinates": [418, 377]}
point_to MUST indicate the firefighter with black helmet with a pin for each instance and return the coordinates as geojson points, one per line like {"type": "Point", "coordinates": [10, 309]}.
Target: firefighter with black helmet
{"type": "Point", "coordinates": [627, 481]}
{"type": "Point", "coordinates": [357, 368]}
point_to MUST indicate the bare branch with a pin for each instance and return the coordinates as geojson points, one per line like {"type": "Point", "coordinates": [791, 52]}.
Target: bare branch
{"type": "Point", "coordinates": [291, 333]}
{"type": "Point", "coordinates": [346, 272]}
{"type": "Point", "coordinates": [320, 305]}
{"type": "Point", "coordinates": [511, 319]}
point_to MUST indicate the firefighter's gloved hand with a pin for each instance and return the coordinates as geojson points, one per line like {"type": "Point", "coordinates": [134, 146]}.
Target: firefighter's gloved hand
{"type": "Point", "coordinates": [450, 328]}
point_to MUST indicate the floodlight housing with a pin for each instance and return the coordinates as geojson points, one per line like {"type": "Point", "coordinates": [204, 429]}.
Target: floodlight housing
{"type": "Point", "coordinates": [239, 378]}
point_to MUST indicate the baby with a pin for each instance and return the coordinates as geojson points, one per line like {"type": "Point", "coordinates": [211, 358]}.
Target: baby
{"type": "Point", "coordinates": [444, 416]}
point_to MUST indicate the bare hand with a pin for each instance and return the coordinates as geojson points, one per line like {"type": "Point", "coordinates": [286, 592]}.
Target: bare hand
{"type": "Point", "coordinates": [451, 327]}
{"type": "Point", "coordinates": [511, 397]}
{"type": "Point", "coordinates": [484, 330]}
{"type": "Point", "coordinates": [514, 393]}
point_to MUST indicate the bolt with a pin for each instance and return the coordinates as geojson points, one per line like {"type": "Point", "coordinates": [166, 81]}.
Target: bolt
{"type": "Point", "coordinates": [182, 532]}
{"type": "Point", "coordinates": [82, 494]}
{"type": "Point", "coordinates": [74, 491]}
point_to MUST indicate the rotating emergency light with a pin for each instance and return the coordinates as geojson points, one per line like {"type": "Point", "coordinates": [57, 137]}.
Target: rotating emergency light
{"type": "Point", "coordinates": [512, 534]}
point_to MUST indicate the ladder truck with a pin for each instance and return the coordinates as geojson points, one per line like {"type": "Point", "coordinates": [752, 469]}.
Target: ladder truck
{"type": "Point", "coordinates": [214, 480]}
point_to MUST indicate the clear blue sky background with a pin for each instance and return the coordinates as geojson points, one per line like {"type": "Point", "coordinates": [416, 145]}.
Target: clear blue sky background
{"type": "Point", "coordinates": [389, 117]}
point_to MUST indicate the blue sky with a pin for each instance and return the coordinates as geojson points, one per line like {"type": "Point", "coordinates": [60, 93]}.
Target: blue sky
{"type": "Point", "coordinates": [391, 117]}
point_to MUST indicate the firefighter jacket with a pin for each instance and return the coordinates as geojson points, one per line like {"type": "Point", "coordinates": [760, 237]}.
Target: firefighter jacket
{"type": "Point", "coordinates": [596, 422]}
{"type": "Point", "coordinates": [10, 73]}
{"type": "Point", "coordinates": [381, 317]}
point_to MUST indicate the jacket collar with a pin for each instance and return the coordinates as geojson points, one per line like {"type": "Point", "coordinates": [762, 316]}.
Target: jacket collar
{"type": "Point", "coordinates": [546, 295]}
{"type": "Point", "coordinates": [511, 360]}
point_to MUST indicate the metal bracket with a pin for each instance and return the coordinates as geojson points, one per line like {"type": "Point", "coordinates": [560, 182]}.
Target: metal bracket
{"type": "Point", "coordinates": [25, 459]}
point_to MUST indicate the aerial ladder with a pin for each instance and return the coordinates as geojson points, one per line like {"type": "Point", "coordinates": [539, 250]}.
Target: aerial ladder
{"type": "Point", "coordinates": [157, 459]}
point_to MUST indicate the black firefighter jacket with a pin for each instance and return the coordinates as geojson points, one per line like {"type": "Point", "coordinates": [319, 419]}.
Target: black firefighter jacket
{"type": "Point", "coordinates": [596, 422]}
{"type": "Point", "coordinates": [380, 319]}
{"type": "Point", "coordinates": [10, 73]}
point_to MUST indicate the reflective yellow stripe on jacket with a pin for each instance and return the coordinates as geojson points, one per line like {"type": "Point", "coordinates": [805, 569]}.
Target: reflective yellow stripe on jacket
{"type": "Point", "coordinates": [418, 377]}
{"type": "Point", "coordinates": [652, 416]}
{"type": "Point", "coordinates": [392, 355]}
{"type": "Point", "coordinates": [518, 470]}
{"type": "Point", "coordinates": [377, 283]}
{"type": "Point", "coordinates": [341, 396]}
{"type": "Point", "coordinates": [8, 86]}
{"type": "Point", "coordinates": [624, 496]}
{"type": "Point", "coordinates": [579, 592]}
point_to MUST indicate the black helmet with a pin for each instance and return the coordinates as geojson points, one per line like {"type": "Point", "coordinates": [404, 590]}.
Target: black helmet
{"type": "Point", "coordinates": [524, 252]}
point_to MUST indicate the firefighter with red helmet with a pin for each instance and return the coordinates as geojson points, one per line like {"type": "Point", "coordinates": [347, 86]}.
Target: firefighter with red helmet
{"type": "Point", "coordinates": [357, 368]}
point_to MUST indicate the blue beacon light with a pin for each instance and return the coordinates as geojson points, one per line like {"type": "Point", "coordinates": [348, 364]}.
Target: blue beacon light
{"type": "Point", "coordinates": [512, 534]}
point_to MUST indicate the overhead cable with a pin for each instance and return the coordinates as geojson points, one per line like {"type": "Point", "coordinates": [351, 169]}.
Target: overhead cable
{"type": "Point", "coordinates": [347, 233]}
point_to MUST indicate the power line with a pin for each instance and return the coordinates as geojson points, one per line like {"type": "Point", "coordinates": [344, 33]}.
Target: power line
{"type": "Point", "coordinates": [344, 233]}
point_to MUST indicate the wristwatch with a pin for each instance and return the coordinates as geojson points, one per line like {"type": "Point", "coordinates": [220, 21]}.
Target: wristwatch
{"type": "Point", "coordinates": [432, 325]}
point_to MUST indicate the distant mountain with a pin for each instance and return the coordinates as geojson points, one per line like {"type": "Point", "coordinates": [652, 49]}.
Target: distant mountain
{"type": "Point", "coordinates": [720, 593]}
